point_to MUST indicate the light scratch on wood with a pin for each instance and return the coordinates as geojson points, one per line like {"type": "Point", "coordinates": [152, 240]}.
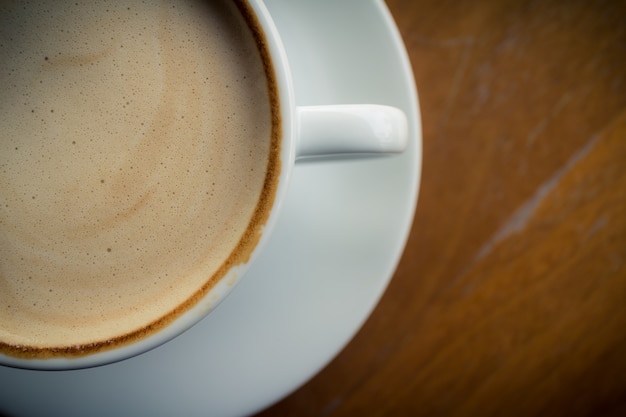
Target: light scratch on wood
{"type": "Point", "coordinates": [522, 216]}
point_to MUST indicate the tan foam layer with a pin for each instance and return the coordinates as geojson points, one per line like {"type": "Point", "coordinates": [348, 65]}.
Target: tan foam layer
{"type": "Point", "coordinates": [134, 151]}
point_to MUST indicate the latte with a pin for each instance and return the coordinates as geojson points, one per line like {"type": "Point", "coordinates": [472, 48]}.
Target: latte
{"type": "Point", "coordinates": [138, 162]}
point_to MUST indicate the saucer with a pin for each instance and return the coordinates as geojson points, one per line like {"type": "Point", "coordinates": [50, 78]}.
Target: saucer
{"type": "Point", "coordinates": [342, 231]}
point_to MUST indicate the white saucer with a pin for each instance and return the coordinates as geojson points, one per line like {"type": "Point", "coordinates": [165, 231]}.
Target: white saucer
{"type": "Point", "coordinates": [334, 251]}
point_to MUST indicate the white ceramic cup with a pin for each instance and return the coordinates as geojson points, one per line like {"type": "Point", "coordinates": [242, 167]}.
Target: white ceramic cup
{"type": "Point", "coordinates": [311, 132]}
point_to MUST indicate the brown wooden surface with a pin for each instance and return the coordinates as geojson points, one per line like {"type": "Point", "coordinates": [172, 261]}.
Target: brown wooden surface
{"type": "Point", "coordinates": [510, 298]}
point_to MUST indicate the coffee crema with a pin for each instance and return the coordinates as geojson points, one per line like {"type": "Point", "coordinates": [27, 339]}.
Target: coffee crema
{"type": "Point", "coordinates": [138, 162]}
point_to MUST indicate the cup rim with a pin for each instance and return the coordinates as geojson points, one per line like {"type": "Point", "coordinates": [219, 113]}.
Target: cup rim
{"type": "Point", "coordinates": [277, 57]}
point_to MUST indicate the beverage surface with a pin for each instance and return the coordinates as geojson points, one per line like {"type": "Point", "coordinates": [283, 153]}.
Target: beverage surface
{"type": "Point", "coordinates": [135, 140]}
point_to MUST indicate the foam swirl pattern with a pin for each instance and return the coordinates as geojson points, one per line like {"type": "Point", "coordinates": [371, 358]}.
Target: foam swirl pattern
{"type": "Point", "coordinates": [134, 151]}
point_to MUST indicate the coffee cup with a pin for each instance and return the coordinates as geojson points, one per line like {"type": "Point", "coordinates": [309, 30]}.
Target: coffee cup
{"type": "Point", "coordinates": [146, 153]}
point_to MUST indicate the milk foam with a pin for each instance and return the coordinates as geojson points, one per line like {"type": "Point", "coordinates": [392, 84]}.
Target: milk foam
{"type": "Point", "coordinates": [134, 153]}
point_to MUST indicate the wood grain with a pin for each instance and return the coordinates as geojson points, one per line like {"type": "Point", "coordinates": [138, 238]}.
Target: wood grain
{"type": "Point", "coordinates": [510, 298]}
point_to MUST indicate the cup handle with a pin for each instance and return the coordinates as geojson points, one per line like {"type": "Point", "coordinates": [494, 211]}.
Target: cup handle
{"type": "Point", "coordinates": [352, 129]}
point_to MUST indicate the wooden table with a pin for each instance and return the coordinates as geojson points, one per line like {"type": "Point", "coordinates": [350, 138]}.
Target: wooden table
{"type": "Point", "coordinates": [510, 298]}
